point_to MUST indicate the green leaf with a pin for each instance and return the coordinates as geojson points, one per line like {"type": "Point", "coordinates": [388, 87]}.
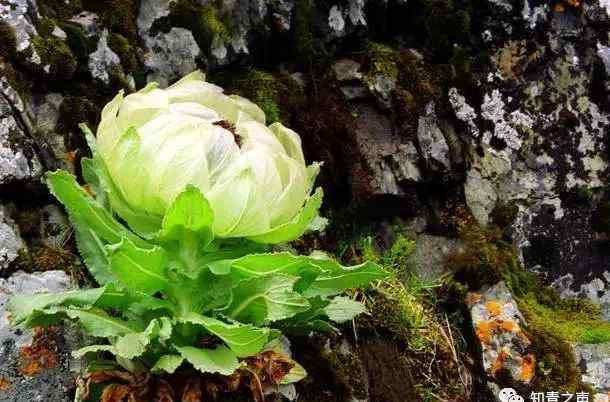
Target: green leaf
{"type": "Point", "coordinates": [187, 229]}
{"type": "Point", "coordinates": [296, 374]}
{"type": "Point", "coordinates": [311, 320]}
{"type": "Point", "coordinates": [85, 211]}
{"type": "Point", "coordinates": [244, 340]}
{"type": "Point", "coordinates": [94, 254]}
{"type": "Point", "coordinates": [143, 223]}
{"type": "Point", "coordinates": [294, 229]}
{"type": "Point", "coordinates": [271, 263]}
{"type": "Point", "coordinates": [203, 293]}
{"type": "Point", "coordinates": [134, 345]}
{"type": "Point", "coordinates": [168, 364]}
{"type": "Point", "coordinates": [342, 309]}
{"type": "Point", "coordinates": [339, 278]}
{"type": "Point", "coordinates": [22, 307]}
{"type": "Point", "coordinates": [80, 353]}
{"type": "Point", "coordinates": [264, 299]}
{"type": "Point", "coordinates": [189, 213]}
{"type": "Point", "coordinates": [139, 269]}
{"type": "Point", "coordinates": [98, 323]}
{"type": "Point", "coordinates": [220, 360]}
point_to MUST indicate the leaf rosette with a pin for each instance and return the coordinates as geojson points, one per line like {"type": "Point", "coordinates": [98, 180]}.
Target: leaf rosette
{"type": "Point", "coordinates": [198, 285]}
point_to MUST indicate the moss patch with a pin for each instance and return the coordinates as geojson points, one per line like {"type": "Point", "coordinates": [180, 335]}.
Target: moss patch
{"type": "Point", "coordinates": [268, 90]}
{"type": "Point", "coordinates": [120, 45]}
{"type": "Point", "coordinates": [118, 16]}
{"type": "Point", "coordinates": [205, 21]}
{"type": "Point", "coordinates": [552, 323]}
{"type": "Point", "coordinates": [57, 55]}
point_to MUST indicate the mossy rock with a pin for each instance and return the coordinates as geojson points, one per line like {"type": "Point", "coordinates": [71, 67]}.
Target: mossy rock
{"type": "Point", "coordinates": [8, 41]}
{"type": "Point", "coordinates": [205, 22]}
{"type": "Point", "coordinates": [267, 90]}
{"type": "Point", "coordinates": [56, 54]}
{"type": "Point", "coordinates": [119, 16]}
{"type": "Point", "coordinates": [60, 9]}
{"type": "Point", "coordinates": [80, 45]}
{"type": "Point", "coordinates": [120, 45]}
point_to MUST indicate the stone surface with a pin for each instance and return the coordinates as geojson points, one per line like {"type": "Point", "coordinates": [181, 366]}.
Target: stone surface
{"type": "Point", "coordinates": [428, 259]}
{"type": "Point", "coordinates": [594, 361]}
{"type": "Point", "coordinates": [54, 384]}
{"type": "Point", "coordinates": [17, 161]}
{"type": "Point", "coordinates": [11, 242]}
{"type": "Point", "coordinates": [104, 62]}
{"type": "Point", "coordinates": [174, 54]}
{"type": "Point", "coordinates": [498, 325]}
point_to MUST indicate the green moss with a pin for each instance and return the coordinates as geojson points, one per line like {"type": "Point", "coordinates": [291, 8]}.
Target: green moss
{"type": "Point", "coordinates": [572, 320]}
{"type": "Point", "coordinates": [120, 45]}
{"type": "Point", "coordinates": [552, 323]}
{"type": "Point", "coordinates": [306, 48]}
{"type": "Point", "coordinates": [8, 41]}
{"type": "Point", "coordinates": [46, 26]}
{"type": "Point", "coordinates": [61, 9]}
{"type": "Point", "coordinates": [267, 90]}
{"type": "Point", "coordinates": [417, 82]}
{"type": "Point", "coordinates": [118, 15]}
{"type": "Point", "coordinates": [204, 21]}
{"type": "Point", "coordinates": [80, 45]}
{"type": "Point", "coordinates": [57, 55]}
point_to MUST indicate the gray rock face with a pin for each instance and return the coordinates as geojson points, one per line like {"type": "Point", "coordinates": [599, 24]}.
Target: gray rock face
{"type": "Point", "coordinates": [104, 62]}
{"type": "Point", "coordinates": [17, 161]}
{"type": "Point", "coordinates": [10, 240]}
{"type": "Point", "coordinates": [89, 22]}
{"type": "Point", "coordinates": [18, 14]}
{"type": "Point", "coordinates": [174, 54]}
{"type": "Point", "coordinates": [50, 385]}
{"type": "Point", "coordinates": [434, 148]}
{"type": "Point", "coordinates": [595, 363]}
{"type": "Point", "coordinates": [390, 160]}
{"type": "Point", "coordinates": [428, 259]}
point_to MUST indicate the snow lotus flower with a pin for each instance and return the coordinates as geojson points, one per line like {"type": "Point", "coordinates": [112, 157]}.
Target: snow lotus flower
{"type": "Point", "coordinates": [156, 142]}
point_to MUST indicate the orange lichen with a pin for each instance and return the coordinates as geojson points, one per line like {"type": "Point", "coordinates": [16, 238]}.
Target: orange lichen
{"type": "Point", "coordinates": [473, 298]}
{"type": "Point", "coordinates": [494, 308]}
{"type": "Point", "coordinates": [508, 325]}
{"type": "Point", "coordinates": [4, 384]}
{"type": "Point", "coordinates": [560, 8]}
{"type": "Point", "coordinates": [41, 354]}
{"type": "Point", "coordinates": [528, 367]}
{"type": "Point", "coordinates": [485, 330]}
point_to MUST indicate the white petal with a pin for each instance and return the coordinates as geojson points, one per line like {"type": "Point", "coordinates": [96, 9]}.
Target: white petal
{"type": "Point", "coordinates": [140, 108]}
{"type": "Point", "coordinates": [195, 110]}
{"type": "Point", "coordinates": [257, 136]}
{"type": "Point", "coordinates": [249, 108]}
{"type": "Point", "coordinates": [290, 140]}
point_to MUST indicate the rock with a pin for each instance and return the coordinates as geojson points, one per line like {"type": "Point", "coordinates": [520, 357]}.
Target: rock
{"type": "Point", "coordinates": [43, 115]}
{"type": "Point", "coordinates": [432, 143]}
{"type": "Point", "coordinates": [18, 14]}
{"type": "Point", "coordinates": [390, 160]}
{"type": "Point", "coordinates": [11, 243]}
{"type": "Point", "coordinates": [54, 384]}
{"type": "Point", "coordinates": [594, 361]}
{"type": "Point", "coordinates": [174, 54]}
{"type": "Point", "coordinates": [103, 63]}
{"type": "Point", "coordinates": [17, 159]}
{"type": "Point", "coordinates": [428, 259]}
{"type": "Point", "coordinates": [89, 22]}
{"type": "Point", "coordinates": [150, 10]}
{"type": "Point", "coordinates": [597, 290]}
{"type": "Point", "coordinates": [336, 22]}
{"type": "Point", "coordinates": [54, 226]}
{"type": "Point", "coordinates": [382, 86]}
{"type": "Point", "coordinates": [347, 70]}
{"type": "Point", "coordinates": [498, 323]}
{"type": "Point", "coordinates": [480, 196]}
